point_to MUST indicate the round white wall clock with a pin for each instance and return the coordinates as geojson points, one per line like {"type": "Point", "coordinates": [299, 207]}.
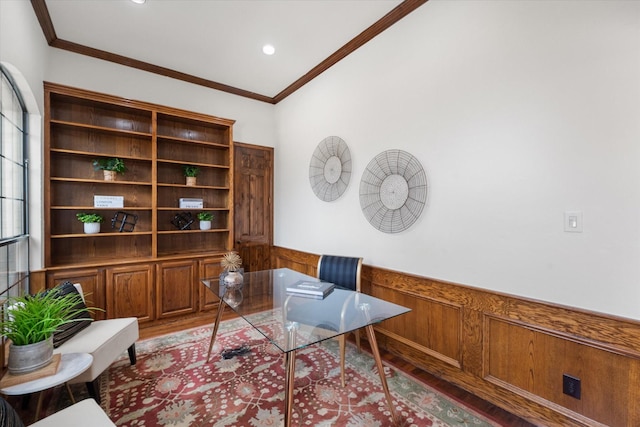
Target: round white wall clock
{"type": "Point", "coordinates": [393, 191]}
{"type": "Point", "coordinates": [330, 168]}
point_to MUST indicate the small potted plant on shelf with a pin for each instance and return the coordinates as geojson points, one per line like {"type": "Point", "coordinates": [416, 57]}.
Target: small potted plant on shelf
{"type": "Point", "coordinates": [91, 222]}
{"type": "Point", "coordinates": [205, 220]}
{"type": "Point", "coordinates": [191, 172]}
{"type": "Point", "coordinates": [30, 322]}
{"type": "Point", "coordinates": [110, 166]}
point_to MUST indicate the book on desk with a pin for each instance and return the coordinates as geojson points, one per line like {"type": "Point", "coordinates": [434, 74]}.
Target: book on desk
{"type": "Point", "coordinates": [308, 289]}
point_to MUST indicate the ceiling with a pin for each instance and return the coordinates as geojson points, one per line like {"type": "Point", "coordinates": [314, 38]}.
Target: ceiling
{"type": "Point", "coordinates": [218, 43]}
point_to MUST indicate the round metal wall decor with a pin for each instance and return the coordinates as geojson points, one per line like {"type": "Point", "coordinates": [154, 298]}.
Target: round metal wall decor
{"type": "Point", "coordinates": [330, 168]}
{"type": "Point", "coordinates": [393, 191]}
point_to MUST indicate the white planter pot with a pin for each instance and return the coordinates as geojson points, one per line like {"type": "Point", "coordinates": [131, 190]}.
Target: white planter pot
{"type": "Point", "coordinates": [91, 227]}
{"type": "Point", "coordinates": [205, 225]}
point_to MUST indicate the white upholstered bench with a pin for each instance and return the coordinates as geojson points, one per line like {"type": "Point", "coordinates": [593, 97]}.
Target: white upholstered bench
{"type": "Point", "coordinates": [105, 340]}
{"type": "Point", "coordinates": [82, 414]}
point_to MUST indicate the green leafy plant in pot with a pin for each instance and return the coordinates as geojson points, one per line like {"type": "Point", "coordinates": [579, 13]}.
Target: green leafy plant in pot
{"type": "Point", "coordinates": [30, 321]}
{"type": "Point", "coordinates": [205, 220]}
{"type": "Point", "coordinates": [110, 166]}
{"type": "Point", "coordinates": [91, 222]}
{"type": "Point", "coordinates": [190, 172]}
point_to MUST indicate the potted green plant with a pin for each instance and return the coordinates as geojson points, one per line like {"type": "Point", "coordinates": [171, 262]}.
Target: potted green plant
{"type": "Point", "coordinates": [91, 222]}
{"type": "Point", "coordinates": [205, 220]}
{"type": "Point", "coordinates": [190, 172]}
{"type": "Point", "coordinates": [110, 166]}
{"type": "Point", "coordinates": [30, 321]}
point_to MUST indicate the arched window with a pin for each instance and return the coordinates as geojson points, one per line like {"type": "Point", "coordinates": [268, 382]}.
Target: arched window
{"type": "Point", "coordinates": [14, 233]}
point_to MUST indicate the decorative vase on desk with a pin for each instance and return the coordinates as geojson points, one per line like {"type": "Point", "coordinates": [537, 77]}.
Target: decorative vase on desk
{"type": "Point", "coordinates": [233, 296]}
{"type": "Point", "coordinates": [232, 273]}
{"type": "Point", "coordinates": [233, 279]}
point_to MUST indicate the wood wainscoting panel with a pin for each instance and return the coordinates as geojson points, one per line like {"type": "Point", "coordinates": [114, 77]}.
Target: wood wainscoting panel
{"type": "Point", "coordinates": [432, 326]}
{"type": "Point", "coordinates": [508, 350]}
{"type": "Point", "coordinates": [532, 362]}
{"type": "Point", "coordinates": [295, 260]}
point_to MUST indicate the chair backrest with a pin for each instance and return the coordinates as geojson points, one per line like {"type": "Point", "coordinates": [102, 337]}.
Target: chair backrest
{"type": "Point", "coordinates": [340, 270]}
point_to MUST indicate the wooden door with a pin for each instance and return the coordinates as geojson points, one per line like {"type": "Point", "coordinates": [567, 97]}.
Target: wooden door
{"type": "Point", "coordinates": [253, 205]}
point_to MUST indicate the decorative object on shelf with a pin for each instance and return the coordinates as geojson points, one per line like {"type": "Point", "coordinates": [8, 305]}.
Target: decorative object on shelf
{"type": "Point", "coordinates": [110, 166]}
{"type": "Point", "coordinates": [183, 221]}
{"type": "Point", "coordinates": [330, 168]}
{"type": "Point", "coordinates": [185, 203]}
{"type": "Point", "coordinates": [232, 274]}
{"type": "Point", "coordinates": [91, 222]}
{"type": "Point", "coordinates": [108, 201]}
{"type": "Point", "coordinates": [191, 172]}
{"type": "Point", "coordinates": [205, 220]}
{"type": "Point", "coordinates": [393, 191]}
{"type": "Point", "coordinates": [123, 221]}
{"type": "Point", "coordinates": [30, 323]}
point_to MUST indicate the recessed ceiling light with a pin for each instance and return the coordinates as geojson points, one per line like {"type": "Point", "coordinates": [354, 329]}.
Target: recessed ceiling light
{"type": "Point", "coordinates": [139, 1]}
{"type": "Point", "coordinates": [268, 49]}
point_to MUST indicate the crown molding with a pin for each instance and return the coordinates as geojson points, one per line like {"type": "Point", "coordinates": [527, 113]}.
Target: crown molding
{"type": "Point", "coordinates": [48, 29]}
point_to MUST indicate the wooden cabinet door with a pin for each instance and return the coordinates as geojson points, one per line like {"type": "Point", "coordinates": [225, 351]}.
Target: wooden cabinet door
{"type": "Point", "coordinates": [92, 282]}
{"type": "Point", "coordinates": [253, 205]}
{"type": "Point", "coordinates": [176, 288]}
{"type": "Point", "coordinates": [130, 292]}
{"type": "Point", "coordinates": [209, 267]}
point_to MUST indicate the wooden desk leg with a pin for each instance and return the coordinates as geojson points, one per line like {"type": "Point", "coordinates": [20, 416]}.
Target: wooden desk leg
{"type": "Point", "coordinates": [383, 379]}
{"type": "Point", "coordinates": [215, 327]}
{"type": "Point", "coordinates": [290, 371]}
{"type": "Point", "coordinates": [343, 348]}
{"type": "Point", "coordinates": [36, 417]}
{"type": "Point", "coordinates": [290, 359]}
{"type": "Point", "coordinates": [73, 400]}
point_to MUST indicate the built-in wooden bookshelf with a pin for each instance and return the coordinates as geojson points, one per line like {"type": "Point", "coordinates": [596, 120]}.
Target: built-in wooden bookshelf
{"type": "Point", "coordinates": [155, 142]}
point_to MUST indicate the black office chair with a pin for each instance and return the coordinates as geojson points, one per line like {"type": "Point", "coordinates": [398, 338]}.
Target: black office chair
{"type": "Point", "coordinates": [343, 272]}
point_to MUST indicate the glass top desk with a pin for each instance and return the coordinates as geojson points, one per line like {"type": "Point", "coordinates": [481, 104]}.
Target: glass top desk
{"type": "Point", "coordinates": [293, 322]}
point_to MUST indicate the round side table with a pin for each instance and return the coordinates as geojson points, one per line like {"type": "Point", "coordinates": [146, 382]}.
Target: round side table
{"type": "Point", "coordinates": [71, 365]}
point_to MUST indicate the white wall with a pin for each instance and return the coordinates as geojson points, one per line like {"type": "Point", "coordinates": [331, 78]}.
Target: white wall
{"type": "Point", "coordinates": [518, 111]}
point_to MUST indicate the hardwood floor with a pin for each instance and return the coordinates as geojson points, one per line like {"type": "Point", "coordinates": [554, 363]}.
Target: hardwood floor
{"type": "Point", "coordinates": [479, 405]}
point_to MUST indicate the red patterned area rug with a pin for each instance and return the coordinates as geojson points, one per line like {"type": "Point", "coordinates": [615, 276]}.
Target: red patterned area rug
{"type": "Point", "coordinates": [172, 386]}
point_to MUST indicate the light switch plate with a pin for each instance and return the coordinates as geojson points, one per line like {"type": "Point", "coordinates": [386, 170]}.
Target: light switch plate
{"type": "Point", "coordinates": [573, 221]}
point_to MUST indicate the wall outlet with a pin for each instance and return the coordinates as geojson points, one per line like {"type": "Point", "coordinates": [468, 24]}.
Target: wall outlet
{"type": "Point", "coordinates": [571, 386]}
